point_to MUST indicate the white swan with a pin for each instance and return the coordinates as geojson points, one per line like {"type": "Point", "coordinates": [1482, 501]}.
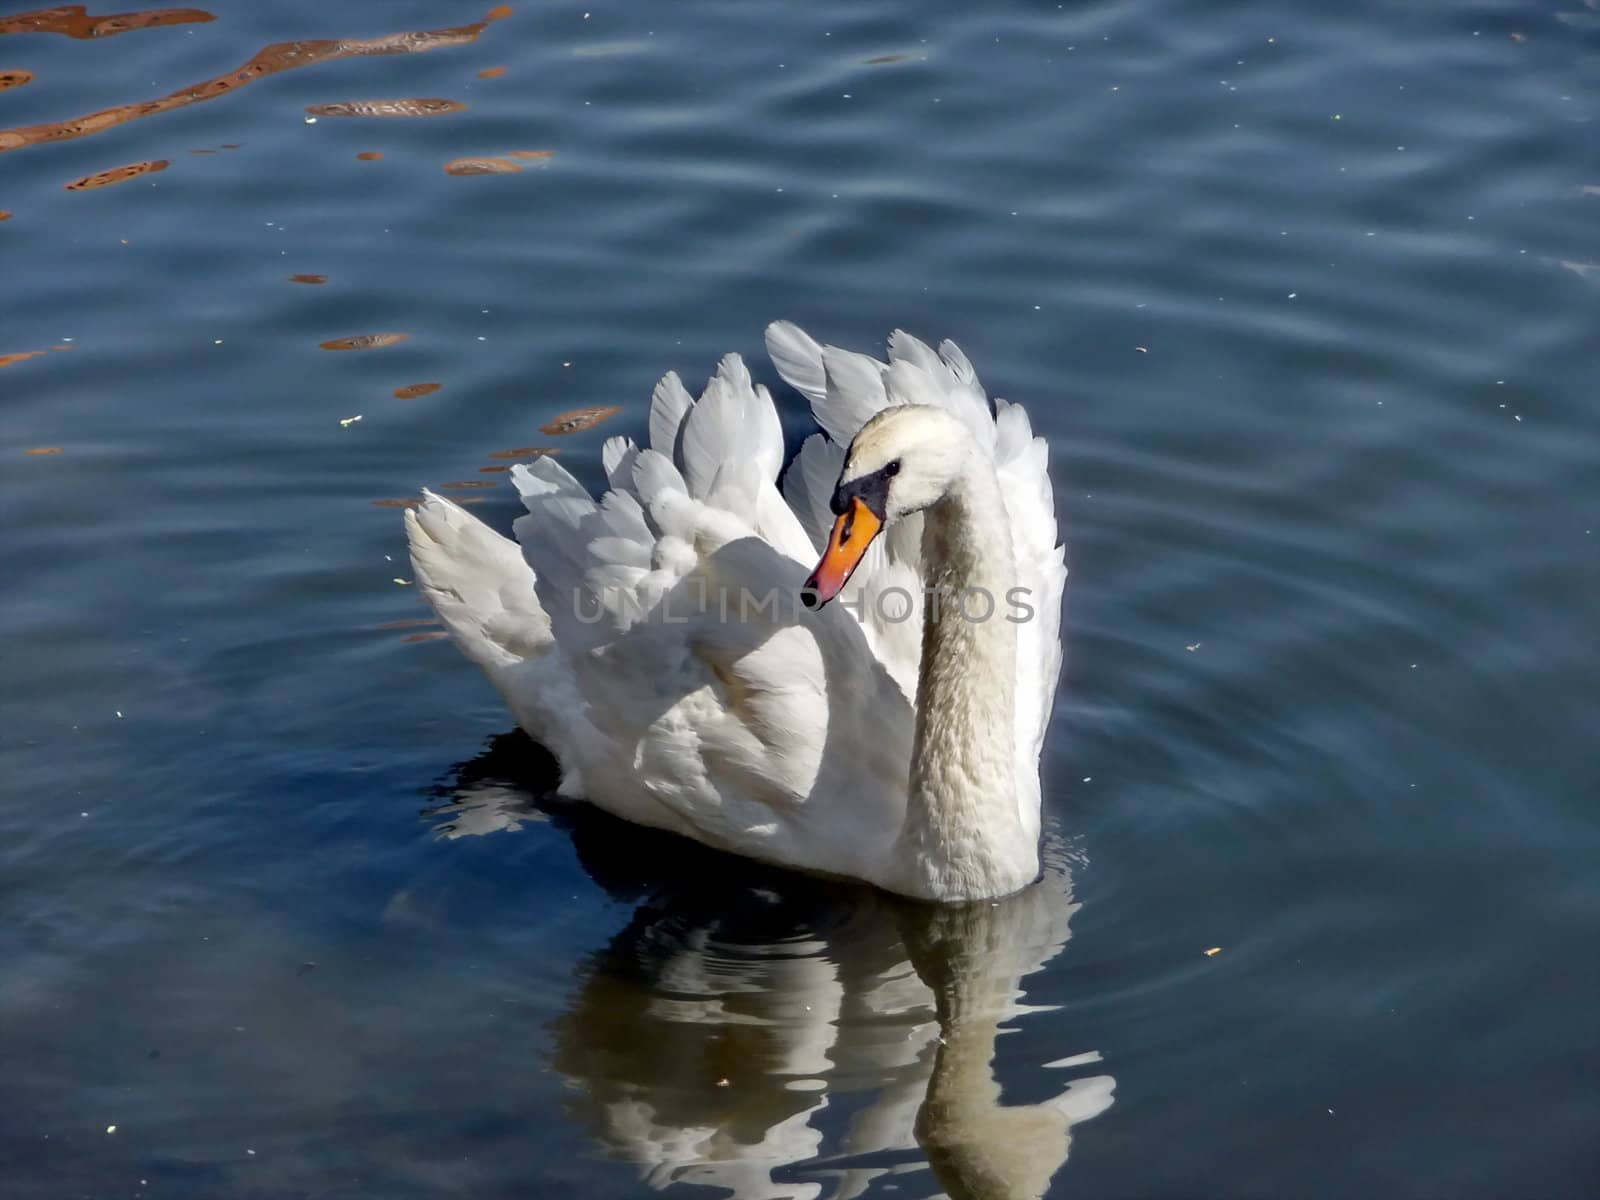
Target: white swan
{"type": "Point", "coordinates": [659, 648]}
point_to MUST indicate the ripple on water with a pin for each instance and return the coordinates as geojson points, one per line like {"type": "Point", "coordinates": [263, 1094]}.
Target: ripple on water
{"type": "Point", "coordinates": [117, 175]}
{"type": "Point", "coordinates": [75, 21]}
{"type": "Point", "coordinates": [365, 341]}
{"type": "Point", "coordinates": [280, 56]}
{"type": "Point", "coordinates": [421, 107]}
{"type": "Point", "coordinates": [579, 419]}
{"type": "Point", "coordinates": [481, 166]}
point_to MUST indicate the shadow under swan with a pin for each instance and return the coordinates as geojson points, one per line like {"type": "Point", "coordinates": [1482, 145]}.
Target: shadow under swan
{"type": "Point", "coordinates": [775, 1036]}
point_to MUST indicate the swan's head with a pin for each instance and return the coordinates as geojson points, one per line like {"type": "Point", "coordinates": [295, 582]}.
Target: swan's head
{"type": "Point", "coordinates": [904, 460]}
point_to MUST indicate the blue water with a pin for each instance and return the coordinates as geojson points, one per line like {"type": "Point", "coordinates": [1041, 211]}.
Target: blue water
{"type": "Point", "coordinates": [1304, 297]}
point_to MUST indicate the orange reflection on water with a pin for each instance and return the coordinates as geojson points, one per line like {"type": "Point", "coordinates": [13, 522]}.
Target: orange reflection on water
{"type": "Point", "coordinates": [4, 215]}
{"type": "Point", "coordinates": [45, 450]}
{"type": "Point", "coordinates": [412, 390]}
{"type": "Point", "coordinates": [491, 73]}
{"type": "Point", "coordinates": [280, 56]}
{"type": "Point", "coordinates": [481, 166]}
{"type": "Point", "coordinates": [8, 360]}
{"type": "Point", "coordinates": [74, 21]}
{"type": "Point", "coordinates": [11, 79]}
{"type": "Point", "coordinates": [579, 419]}
{"type": "Point", "coordinates": [308, 279]}
{"type": "Point", "coordinates": [365, 341]}
{"type": "Point", "coordinates": [459, 484]}
{"type": "Point", "coordinates": [102, 179]}
{"type": "Point", "coordinates": [370, 155]}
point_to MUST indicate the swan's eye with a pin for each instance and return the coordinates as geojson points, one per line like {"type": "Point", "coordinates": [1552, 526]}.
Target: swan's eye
{"type": "Point", "coordinates": [893, 468]}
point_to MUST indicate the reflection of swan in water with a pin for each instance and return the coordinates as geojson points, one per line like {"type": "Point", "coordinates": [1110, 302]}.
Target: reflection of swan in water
{"type": "Point", "coordinates": [773, 1036]}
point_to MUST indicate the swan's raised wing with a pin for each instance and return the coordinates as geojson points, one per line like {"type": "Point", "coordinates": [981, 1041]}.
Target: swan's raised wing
{"type": "Point", "coordinates": [674, 599]}
{"type": "Point", "coordinates": [1022, 466]}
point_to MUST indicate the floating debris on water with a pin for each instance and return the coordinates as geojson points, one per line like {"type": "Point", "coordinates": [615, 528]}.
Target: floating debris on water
{"type": "Point", "coordinates": [365, 341]}
{"type": "Point", "coordinates": [308, 279]}
{"type": "Point", "coordinates": [426, 107]}
{"type": "Point", "coordinates": [1214, 951]}
{"type": "Point", "coordinates": [579, 419]}
{"type": "Point", "coordinates": [115, 175]}
{"type": "Point", "coordinates": [346, 422]}
{"type": "Point", "coordinates": [412, 390]}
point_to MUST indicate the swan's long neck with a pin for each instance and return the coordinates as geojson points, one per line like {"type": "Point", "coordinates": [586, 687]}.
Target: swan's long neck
{"type": "Point", "coordinates": [963, 838]}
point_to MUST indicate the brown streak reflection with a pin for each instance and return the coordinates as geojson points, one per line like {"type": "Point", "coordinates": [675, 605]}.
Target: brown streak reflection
{"type": "Point", "coordinates": [412, 107]}
{"type": "Point", "coordinates": [481, 166]}
{"type": "Point", "coordinates": [74, 21]}
{"type": "Point", "coordinates": [102, 179]}
{"type": "Point", "coordinates": [365, 341]}
{"type": "Point", "coordinates": [14, 79]}
{"type": "Point", "coordinates": [523, 452]}
{"type": "Point", "coordinates": [579, 419]}
{"type": "Point", "coordinates": [280, 56]}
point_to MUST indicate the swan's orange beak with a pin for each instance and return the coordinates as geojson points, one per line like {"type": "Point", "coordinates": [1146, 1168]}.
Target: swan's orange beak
{"type": "Point", "coordinates": [852, 534]}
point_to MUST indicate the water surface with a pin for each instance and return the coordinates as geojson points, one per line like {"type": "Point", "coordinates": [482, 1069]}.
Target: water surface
{"type": "Point", "coordinates": [1305, 299]}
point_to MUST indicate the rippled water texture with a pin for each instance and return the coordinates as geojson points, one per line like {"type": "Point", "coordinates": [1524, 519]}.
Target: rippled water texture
{"type": "Point", "coordinates": [1304, 296]}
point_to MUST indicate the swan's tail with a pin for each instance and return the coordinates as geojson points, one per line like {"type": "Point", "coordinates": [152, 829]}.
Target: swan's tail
{"type": "Point", "coordinates": [479, 585]}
